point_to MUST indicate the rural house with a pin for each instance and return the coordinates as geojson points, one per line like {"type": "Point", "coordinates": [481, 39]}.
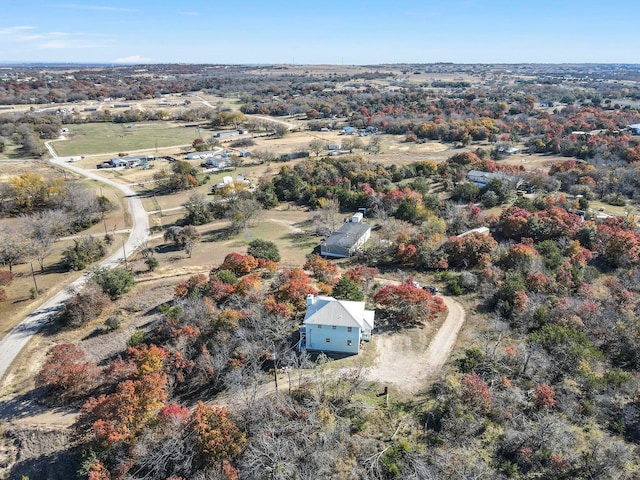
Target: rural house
{"type": "Point", "coordinates": [345, 241]}
{"type": "Point", "coordinates": [332, 325]}
{"type": "Point", "coordinates": [481, 178]}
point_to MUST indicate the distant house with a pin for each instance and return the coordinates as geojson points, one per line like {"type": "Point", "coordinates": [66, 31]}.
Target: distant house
{"type": "Point", "coordinates": [635, 128]}
{"type": "Point", "coordinates": [481, 178]}
{"type": "Point", "coordinates": [128, 161]}
{"type": "Point", "coordinates": [334, 146]}
{"type": "Point", "coordinates": [230, 133]}
{"type": "Point", "coordinates": [479, 231]}
{"type": "Point", "coordinates": [332, 325]}
{"type": "Point", "coordinates": [345, 241]}
{"type": "Point", "coordinates": [201, 155]}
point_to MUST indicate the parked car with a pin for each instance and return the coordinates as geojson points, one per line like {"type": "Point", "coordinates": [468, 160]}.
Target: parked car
{"type": "Point", "coordinates": [432, 289]}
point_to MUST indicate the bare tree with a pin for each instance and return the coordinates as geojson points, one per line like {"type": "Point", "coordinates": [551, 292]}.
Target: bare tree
{"type": "Point", "coordinates": [14, 247]}
{"type": "Point", "coordinates": [317, 146]}
{"type": "Point", "coordinates": [328, 215]}
{"type": "Point", "coordinates": [42, 229]}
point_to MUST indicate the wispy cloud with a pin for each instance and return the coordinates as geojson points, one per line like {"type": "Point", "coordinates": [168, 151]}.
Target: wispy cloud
{"type": "Point", "coordinates": [100, 8]}
{"type": "Point", "coordinates": [22, 36]}
{"type": "Point", "coordinates": [18, 29]}
{"type": "Point", "coordinates": [132, 59]}
{"type": "Point", "coordinates": [422, 14]}
{"type": "Point", "coordinates": [189, 14]}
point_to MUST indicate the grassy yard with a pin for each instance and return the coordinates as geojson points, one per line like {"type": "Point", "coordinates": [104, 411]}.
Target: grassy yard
{"type": "Point", "coordinates": [92, 138]}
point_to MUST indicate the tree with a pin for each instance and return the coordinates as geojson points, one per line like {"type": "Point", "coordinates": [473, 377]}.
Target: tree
{"type": "Point", "coordinates": [182, 237]}
{"type": "Point", "coordinates": [280, 129]}
{"type": "Point", "coordinates": [115, 282]}
{"type": "Point", "coordinates": [322, 269]}
{"type": "Point", "coordinates": [375, 144]}
{"type": "Point", "coordinates": [328, 215]}
{"type": "Point", "coordinates": [243, 212]}
{"type": "Point", "coordinates": [218, 439]}
{"type": "Point", "coordinates": [239, 264]}
{"type": "Point", "coordinates": [85, 250]}
{"type": "Point", "coordinates": [352, 144]}
{"type": "Point", "coordinates": [409, 304]}
{"type": "Point", "coordinates": [544, 396]}
{"type": "Point", "coordinates": [347, 289]}
{"type": "Point", "coordinates": [67, 371]}
{"type": "Point", "coordinates": [13, 247]}
{"type": "Point", "coordinates": [198, 211]}
{"type": "Point", "coordinates": [43, 228]}
{"type": "Point", "coordinates": [317, 146]}
{"type": "Point", "coordinates": [264, 249]}
{"type": "Point", "coordinates": [84, 306]}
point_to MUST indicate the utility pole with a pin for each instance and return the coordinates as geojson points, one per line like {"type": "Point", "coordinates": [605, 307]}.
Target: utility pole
{"type": "Point", "coordinates": [34, 278]}
{"type": "Point", "coordinates": [124, 252]}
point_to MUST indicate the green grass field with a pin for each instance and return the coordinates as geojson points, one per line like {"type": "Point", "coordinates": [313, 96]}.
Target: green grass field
{"type": "Point", "coordinates": [94, 138]}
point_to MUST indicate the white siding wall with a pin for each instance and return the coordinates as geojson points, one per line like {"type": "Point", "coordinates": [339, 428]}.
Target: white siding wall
{"type": "Point", "coordinates": [339, 339]}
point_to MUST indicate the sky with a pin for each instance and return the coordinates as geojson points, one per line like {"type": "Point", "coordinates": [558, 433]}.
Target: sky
{"type": "Point", "coordinates": [345, 32]}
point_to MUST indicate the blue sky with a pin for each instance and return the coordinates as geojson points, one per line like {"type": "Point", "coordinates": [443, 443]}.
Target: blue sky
{"type": "Point", "coordinates": [313, 31]}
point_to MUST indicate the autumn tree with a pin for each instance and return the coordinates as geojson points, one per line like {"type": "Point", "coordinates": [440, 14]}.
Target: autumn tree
{"type": "Point", "coordinates": [292, 286]}
{"type": "Point", "coordinates": [218, 439]}
{"type": "Point", "coordinates": [322, 269]}
{"type": "Point", "coordinates": [409, 304]}
{"type": "Point", "coordinates": [67, 371]}
{"type": "Point", "coordinates": [239, 264]}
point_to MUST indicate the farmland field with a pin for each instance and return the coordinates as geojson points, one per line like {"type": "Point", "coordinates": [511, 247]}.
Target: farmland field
{"type": "Point", "coordinates": [92, 138]}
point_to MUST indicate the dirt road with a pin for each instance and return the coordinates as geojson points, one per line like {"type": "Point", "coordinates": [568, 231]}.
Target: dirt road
{"type": "Point", "coordinates": [404, 362]}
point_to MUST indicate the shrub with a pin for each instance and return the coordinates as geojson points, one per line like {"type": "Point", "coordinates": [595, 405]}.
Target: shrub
{"type": "Point", "coordinates": [6, 277]}
{"type": "Point", "coordinates": [152, 263]}
{"type": "Point", "coordinates": [115, 282]}
{"type": "Point", "coordinates": [136, 338]}
{"type": "Point", "coordinates": [259, 248]}
{"type": "Point", "coordinates": [114, 322]}
{"type": "Point", "coordinates": [84, 306]}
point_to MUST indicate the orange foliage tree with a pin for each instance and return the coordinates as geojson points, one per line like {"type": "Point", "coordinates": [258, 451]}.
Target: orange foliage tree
{"type": "Point", "coordinates": [322, 269]}
{"type": "Point", "coordinates": [218, 439]}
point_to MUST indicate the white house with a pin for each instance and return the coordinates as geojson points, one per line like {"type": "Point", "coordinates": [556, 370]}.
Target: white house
{"type": "Point", "coordinates": [344, 242]}
{"type": "Point", "coordinates": [332, 325]}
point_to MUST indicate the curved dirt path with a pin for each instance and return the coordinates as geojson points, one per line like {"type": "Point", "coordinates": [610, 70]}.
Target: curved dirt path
{"type": "Point", "coordinates": [402, 360]}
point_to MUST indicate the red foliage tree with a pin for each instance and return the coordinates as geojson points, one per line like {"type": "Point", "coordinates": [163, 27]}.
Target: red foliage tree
{"type": "Point", "coordinates": [619, 246]}
{"type": "Point", "coordinates": [544, 396]}
{"type": "Point", "coordinates": [192, 286]}
{"type": "Point", "coordinates": [476, 392]}
{"type": "Point", "coordinates": [67, 370]}
{"type": "Point", "coordinates": [408, 303]}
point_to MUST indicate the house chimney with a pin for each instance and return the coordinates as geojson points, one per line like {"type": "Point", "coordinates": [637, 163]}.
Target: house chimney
{"type": "Point", "coordinates": [310, 300]}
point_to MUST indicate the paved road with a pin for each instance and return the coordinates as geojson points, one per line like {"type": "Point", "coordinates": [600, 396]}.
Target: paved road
{"type": "Point", "coordinates": [16, 339]}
